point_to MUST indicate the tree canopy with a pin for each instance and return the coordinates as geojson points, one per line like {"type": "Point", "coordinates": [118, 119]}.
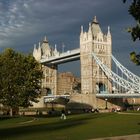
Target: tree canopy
{"type": "Point", "coordinates": [20, 79]}
{"type": "Point", "coordinates": [134, 11]}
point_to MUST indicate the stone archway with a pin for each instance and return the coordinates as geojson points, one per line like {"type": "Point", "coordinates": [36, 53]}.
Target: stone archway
{"type": "Point", "coordinates": [102, 87]}
{"type": "Point", "coordinates": [48, 91]}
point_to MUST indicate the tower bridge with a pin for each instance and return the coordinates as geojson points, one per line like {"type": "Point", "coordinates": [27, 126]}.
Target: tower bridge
{"type": "Point", "coordinates": [98, 81]}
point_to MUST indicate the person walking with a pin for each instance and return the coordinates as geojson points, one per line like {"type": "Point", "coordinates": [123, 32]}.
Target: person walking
{"type": "Point", "coordinates": [63, 115]}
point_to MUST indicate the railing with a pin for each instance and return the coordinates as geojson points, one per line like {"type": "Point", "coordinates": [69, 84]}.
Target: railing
{"type": "Point", "coordinates": [70, 52]}
{"type": "Point", "coordinates": [117, 95]}
{"type": "Point", "coordinates": [51, 98]}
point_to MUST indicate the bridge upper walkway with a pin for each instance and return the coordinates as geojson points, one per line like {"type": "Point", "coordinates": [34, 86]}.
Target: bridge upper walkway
{"type": "Point", "coordinates": [64, 57]}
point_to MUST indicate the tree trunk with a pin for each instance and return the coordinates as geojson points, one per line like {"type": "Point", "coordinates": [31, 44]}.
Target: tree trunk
{"type": "Point", "coordinates": [11, 112]}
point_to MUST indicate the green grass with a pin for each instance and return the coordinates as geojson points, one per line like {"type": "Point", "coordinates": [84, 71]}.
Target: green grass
{"type": "Point", "coordinates": [75, 127]}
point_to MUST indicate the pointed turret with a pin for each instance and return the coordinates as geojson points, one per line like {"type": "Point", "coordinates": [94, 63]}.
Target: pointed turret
{"type": "Point", "coordinates": [109, 40]}
{"type": "Point", "coordinates": [39, 44]}
{"type": "Point", "coordinates": [90, 32]}
{"type": "Point", "coordinates": [95, 27]}
{"type": "Point", "coordinates": [55, 47]}
{"type": "Point", "coordinates": [108, 32]}
{"type": "Point", "coordinates": [82, 30]}
{"type": "Point", "coordinates": [39, 48]}
{"type": "Point", "coordinates": [37, 52]}
{"type": "Point", "coordinates": [81, 34]}
{"type": "Point", "coordinates": [56, 53]}
{"type": "Point", "coordinates": [34, 50]}
{"type": "Point", "coordinates": [45, 40]}
{"type": "Point", "coordinates": [45, 47]}
{"type": "Point", "coordinates": [89, 29]}
{"type": "Point", "coordinates": [95, 20]}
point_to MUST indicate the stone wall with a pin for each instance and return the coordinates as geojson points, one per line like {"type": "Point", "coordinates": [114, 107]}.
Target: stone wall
{"type": "Point", "coordinates": [80, 101]}
{"type": "Point", "coordinates": [66, 82]}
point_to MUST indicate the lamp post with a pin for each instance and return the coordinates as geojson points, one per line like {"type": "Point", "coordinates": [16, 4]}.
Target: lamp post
{"type": "Point", "coordinates": [106, 103]}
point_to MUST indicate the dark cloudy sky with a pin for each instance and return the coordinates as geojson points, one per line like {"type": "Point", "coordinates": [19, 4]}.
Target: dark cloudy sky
{"type": "Point", "coordinates": [24, 23]}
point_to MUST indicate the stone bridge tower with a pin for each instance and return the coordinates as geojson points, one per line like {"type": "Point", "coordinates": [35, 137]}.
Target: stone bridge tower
{"type": "Point", "coordinates": [93, 79]}
{"type": "Point", "coordinates": [49, 81]}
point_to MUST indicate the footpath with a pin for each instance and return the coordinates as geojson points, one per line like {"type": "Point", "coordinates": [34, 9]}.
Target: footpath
{"type": "Point", "coordinates": [128, 137]}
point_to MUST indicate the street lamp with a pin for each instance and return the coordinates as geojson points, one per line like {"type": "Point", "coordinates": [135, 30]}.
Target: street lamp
{"type": "Point", "coordinates": [106, 103]}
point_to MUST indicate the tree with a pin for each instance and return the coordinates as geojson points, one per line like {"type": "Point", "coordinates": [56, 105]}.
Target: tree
{"type": "Point", "coordinates": [20, 79]}
{"type": "Point", "coordinates": [134, 11]}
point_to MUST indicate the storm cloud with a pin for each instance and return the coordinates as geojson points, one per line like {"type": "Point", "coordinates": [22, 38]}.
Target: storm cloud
{"type": "Point", "coordinates": [24, 23]}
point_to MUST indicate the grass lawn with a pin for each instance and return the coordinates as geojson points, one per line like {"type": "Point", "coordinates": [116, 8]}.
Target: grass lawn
{"type": "Point", "coordinates": [75, 127]}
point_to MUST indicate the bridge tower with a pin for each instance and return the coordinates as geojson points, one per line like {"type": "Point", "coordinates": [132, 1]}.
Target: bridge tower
{"type": "Point", "coordinates": [49, 81]}
{"type": "Point", "coordinates": [93, 79]}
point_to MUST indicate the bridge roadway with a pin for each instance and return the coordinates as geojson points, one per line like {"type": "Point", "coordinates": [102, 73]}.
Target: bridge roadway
{"type": "Point", "coordinates": [51, 98]}
{"type": "Point", "coordinates": [64, 57]}
{"type": "Point", "coordinates": [118, 95]}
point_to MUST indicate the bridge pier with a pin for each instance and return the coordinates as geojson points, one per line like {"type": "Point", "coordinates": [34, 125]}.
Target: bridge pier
{"type": "Point", "coordinates": [109, 103]}
{"type": "Point", "coordinates": [83, 101]}
{"type": "Point", "coordinates": [91, 101]}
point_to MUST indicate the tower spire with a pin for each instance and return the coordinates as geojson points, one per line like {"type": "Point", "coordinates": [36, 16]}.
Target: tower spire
{"type": "Point", "coordinates": [89, 26]}
{"type": "Point", "coordinates": [39, 44]}
{"type": "Point", "coordinates": [82, 29]}
{"type": "Point", "coordinates": [45, 40]}
{"type": "Point", "coordinates": [89, 29]}
{"type": "Point", "coordinates": [55, 49]}
{"type": "Point", "coordinates": [95, 20]}
{"type": "Point", "coordinates": [108, 31]}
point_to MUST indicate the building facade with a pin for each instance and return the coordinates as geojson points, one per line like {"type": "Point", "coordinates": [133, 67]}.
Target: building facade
{"type": "Point", "coordinates": [67, 83]}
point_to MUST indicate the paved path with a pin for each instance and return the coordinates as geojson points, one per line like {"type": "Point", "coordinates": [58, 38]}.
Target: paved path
{"type": "Point", "coordinates": [28, 121]}
{"type": "Point", "coordinates": [128, 137]}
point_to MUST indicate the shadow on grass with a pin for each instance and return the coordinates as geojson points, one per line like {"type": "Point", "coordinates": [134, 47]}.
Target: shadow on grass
{"type": "Point", "coordinates": [46, 127]}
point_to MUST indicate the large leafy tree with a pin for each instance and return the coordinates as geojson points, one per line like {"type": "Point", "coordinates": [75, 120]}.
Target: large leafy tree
{"type": "Point", "coordinates": [20, 77]}
{"type": "Point", "coordinates": [134, 11]}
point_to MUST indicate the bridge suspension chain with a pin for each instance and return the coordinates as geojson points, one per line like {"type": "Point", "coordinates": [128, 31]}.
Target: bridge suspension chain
{"type": "Point", "coordinates": [131, 76]}
{"type": "Point", "coordinates": [115, 78]}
